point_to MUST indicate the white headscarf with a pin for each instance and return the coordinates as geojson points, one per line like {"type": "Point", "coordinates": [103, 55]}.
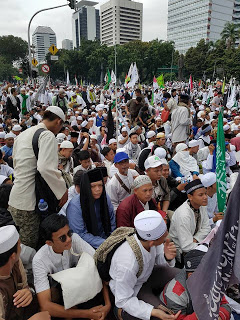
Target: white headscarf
{"type": "Point", "coordinates": [186, 162]}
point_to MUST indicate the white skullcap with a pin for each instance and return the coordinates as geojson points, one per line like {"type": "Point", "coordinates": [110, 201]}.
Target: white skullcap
{"type": "Point", "coordinates": [193, 143]}
{"type": "Point", "coordinates": [66, 145]}
{"type": "Point", "coordinates": [93, 136]}
{"type": "Point", "coordinates": [84, 124]}
{"type": "Point", "coordinates": [77, 112]}
{"type": "Point", "coordinates": [160, 152]}
{"type": "Point", "coordinates": [225, 120]}
{"type": "Point", "coordinates": [124, 129]}
{"type": "Point", "coordinates": [226, 127]}
{"type": "Point", "coordinates": [2, 135]}
{"type": "Point", "coordinates": [17, 127]}
{"type": "Point", "coordinates": [150, 225]}
{"type": "Point", "coordinates": [232, 147]}
{"type": "Point", "coordinates": [181, 147]}
{"type": "Point", "coordinates": [235, 128]}
{"type": "Point", "coordinates": [217, 109]}
{"type": "Point", "coordinates": [237, 117]}
{"type": "Point", "coordinates": [158, 118]}
{"type": "Point", "coordinates": [141, 181]}
{"type": "Point", "coordinates": [61, 136]}
{"type": "Point", "coordinates": [79, 118]}
{"type": "Point", "coordinates": [152, 162]}
{"type": "Point", "coordinates": [112, 141]}
{"type": "Point", "coordinates": [120, 150]}
{"type": "Point", "coordinates": [100, 107]}
{"type": "Point", "coordinates": [58, 111]}
{"type": "Point", "coordinates": [8, 238]}
{"type": "Point", "coordinates": [201, 108]}
{"type": "Point", "coordinates": [151, 134]}
{"type": "Point", "coordinates": [10, 135]}
{"type": "Point", "coordinates": [85, 112]}
{"type": "Point", "coordinates": [208, 179]}
{"type": "Point", "coordinates": [90, 119]}
{"type": "Point", "coordinates": [2, 179]}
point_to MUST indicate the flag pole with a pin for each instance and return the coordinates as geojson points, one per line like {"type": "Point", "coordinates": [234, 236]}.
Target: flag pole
{"type": "Point", "coordinates": [116, 92]}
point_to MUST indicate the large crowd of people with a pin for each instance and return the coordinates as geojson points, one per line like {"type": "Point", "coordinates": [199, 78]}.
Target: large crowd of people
{"type": "Point", "coordinates": [124, 178]}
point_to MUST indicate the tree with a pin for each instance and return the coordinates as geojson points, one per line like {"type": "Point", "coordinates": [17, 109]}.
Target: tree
{"type": "Point", "coordinates": [13, 48]}
{"type": "Point", "coordinates": [6, 70]}
{"type": "Point", "coordinates": [230, 34]}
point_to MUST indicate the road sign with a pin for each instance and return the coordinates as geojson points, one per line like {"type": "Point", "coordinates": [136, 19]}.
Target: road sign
{"type": "Point", "coordinates": [53, 49]}
{"type": "Point", "coordinates": [45, 68]}
{"type": "Point", "coordinates": [20, 70]}
{"type": "Point", "coordinates": [34, 62]}
{"type": "Point", "coordinates": [54, 58]}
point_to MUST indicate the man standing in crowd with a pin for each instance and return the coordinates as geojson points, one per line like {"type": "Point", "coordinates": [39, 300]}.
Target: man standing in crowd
{"type": "Point", "coordinates": [22, 200]}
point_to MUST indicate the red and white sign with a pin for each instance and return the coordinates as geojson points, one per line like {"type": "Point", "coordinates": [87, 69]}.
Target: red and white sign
{"type": "Point", "coordinates": [45, 68]}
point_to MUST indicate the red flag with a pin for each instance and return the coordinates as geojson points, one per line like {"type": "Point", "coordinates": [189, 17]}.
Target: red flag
{"type": "Point", "coordinates": [190, 82]}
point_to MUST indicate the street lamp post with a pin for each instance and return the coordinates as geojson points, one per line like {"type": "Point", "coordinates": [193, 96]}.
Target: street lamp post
{"type": "Point", "coordinates": [29, 44]}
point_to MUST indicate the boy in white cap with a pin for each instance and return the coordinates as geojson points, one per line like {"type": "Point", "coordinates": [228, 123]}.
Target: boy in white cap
{"type": "Point", "coordinates": [209, 180]}
{"type": "Point", "coordinates": [15, 295]}
{"type": "Point", "coordinates": [134, 294]}
{"type": "Point", "coordinates": [22, 200]}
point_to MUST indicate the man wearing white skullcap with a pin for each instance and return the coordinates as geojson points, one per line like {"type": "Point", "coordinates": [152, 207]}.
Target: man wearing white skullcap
{"type": "Point", "coordinates": [15, 294]}
{"type": "Point", "coordinates": [22, 201]}
{"type": "Point", "coordinates": [131, 295]}
{"type": "Point", "coordinates": [141, 200]}
{"type": "Point", "coordinates": [209, 181]}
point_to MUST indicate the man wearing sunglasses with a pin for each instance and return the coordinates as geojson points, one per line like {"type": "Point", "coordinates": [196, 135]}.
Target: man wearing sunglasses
{"type": "Point", "coordinates": [62, 251]}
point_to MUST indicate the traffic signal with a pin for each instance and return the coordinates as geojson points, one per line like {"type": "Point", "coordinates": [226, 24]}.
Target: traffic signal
{"type": "Point", "coordinates": [34, 74]}
{"type": "Point", "coordinates": [71, 4]}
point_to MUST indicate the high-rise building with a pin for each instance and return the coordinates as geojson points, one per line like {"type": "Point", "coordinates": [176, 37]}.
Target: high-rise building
{"type": "Point", "coordinates": [189, 21]}
{"type": "Point", "coordinates": [67, 44]}
{"type": "Point", "coordinates": [121, 21]}
{"type": "Point", "coordinates": [85, 22]}
{"type": "Point", "coordinates": [43, 38]}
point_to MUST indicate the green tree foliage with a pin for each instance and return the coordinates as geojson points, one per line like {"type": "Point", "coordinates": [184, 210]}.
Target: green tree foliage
{"type": "Point", "coordinates": [230, 34]}
{"type": "Point", "coordinates": [13, 48]}
{"type": "Point", "coordinates": [6, 69]}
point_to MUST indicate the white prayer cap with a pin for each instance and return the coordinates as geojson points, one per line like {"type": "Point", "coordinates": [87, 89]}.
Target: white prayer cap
{"type": "Point", "coordinates": [17, 127]}
{"type": "Point", "coordinates": [58, 111]}
{"type": "Point", "coordinates": [1, 126]}
{"type": "Point", "coordinates": [124, 129]}
{"type": "Point", "coordinates": [84, 124]}
{"type": "Point", "coordinates": [217, 109]}
{"type": "Point", "coordinates": [14, 120]}
{"type": "Point", "coordinates": [79, 118]}
{"type": "Point", "coordinates": [141, 181]}
{"type": "Point", "coordinates": [120, 150]}
{"type": "Point", "coordinates": [85, 112]}
{"type": "Point", "coordinates": [152, 162]}
{"type": "Point", "coordinates": [193, 143]}
{"type": "Point", "coordinates": [226, 127]}
{"type": "Point", "coordinates": [158, 118]}
{"type": "Point", "coordinates": [10, 135]}
{"type": "Point", "coordinates": [208, 179]}
{"type": "Point", "coordinates": [181, 147]}
{"type": "Point", "coordinates": [150, 225]}
{"type": "Point", "coordinates": [160, 153]}
{"type": "Point", "coordinates": [2, 179]}
{"type": "Point", "coordinates": [225, 120]}
{"type": "Point", "coordinates": [77, 112]}
{"type": "Point", "coordinates": [93, 136]}
{"type": "Point", "coordinates": [61, 136]}
{"type": "Point", "coordinates": [66, 145]}
{"type": "Point", "coordinates": [151, 134]}
{"type": "Point", "coordinates": [232, 147]}
{"type": "Point", "coordinates": [8, 238]}
{"type": "Point", "coordinates": [201, 108]}
{"type": "Point", "coordinates": [100, 107]}
{"type": "Point", "coordinates": [112, 141]}
{"type": "Point", "coordinates": [90, 119]}
{"type": "Point", "coordinates": [237, 117]}
{"type": "Point", "coordinates": [2, 135]}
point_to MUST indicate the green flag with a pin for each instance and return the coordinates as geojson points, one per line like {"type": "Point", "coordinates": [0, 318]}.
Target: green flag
{"type": "Point", "coordinates": [108, 80]}
{"type": "Point", "coordinates": [160, 81]}
{"type": "Point", "coordinates": [220, 165]}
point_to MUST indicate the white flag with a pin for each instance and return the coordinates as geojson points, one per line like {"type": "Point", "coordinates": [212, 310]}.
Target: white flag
{"type": "Point", "coordinates": [134, 77]}
{"type": "Point", "coordinates": [113, 77]}
{"type": "Point", "coordinates": [130, 70]}
{"type": "Point", "coordinates": [68, 80]}
{"type": "Point", "coordinates": [232, 99]}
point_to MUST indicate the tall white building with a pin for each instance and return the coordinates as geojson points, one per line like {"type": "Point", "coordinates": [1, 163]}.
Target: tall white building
{"type": "Point", "coordinates": [43, 38]}
{"type": "Point", "coordinates": [192, 20]}
{"type": "Point", "coordinates": [85, 22]}
{"type": "Point", "coordinates": [67, 44]}
{"type": "Point", "coordinates": [121, 21]}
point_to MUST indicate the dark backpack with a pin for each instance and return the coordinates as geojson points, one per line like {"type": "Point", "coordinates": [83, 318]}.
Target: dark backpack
{"type": "Point", "coordinates": [42, 189]}
{"type": "Point", "coordinates": [103, 255]}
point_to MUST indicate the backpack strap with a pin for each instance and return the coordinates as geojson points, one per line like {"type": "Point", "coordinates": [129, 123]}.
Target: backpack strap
{"type": "Point", "coordinates": [122, 184]}
{"type": "Point", "coordinates": [137, 251]}
{"type": "Point", "coordinates": [35, 141]}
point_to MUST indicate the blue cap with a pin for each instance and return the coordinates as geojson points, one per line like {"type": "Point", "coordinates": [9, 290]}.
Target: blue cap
{"type": "Point", "coordinates": [120, 156]}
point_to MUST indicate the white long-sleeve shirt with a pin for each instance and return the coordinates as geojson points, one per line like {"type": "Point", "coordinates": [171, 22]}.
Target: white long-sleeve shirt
{"type": "Point", "coordinates": [183, 226]}
{"type": "Point", "coordinates": [125, 285]}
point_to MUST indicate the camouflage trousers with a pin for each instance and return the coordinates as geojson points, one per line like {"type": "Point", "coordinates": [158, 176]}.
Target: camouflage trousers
{"type": "Point", "coordinates": [28, 223]}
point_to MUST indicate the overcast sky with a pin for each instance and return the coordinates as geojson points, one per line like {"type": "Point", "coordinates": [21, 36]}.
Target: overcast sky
{"type": "Point", "coordinates": [15, 16]}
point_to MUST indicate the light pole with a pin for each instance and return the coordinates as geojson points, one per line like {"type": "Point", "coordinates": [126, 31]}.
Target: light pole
{"type": "Point", "coordinates": [29, 44]}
